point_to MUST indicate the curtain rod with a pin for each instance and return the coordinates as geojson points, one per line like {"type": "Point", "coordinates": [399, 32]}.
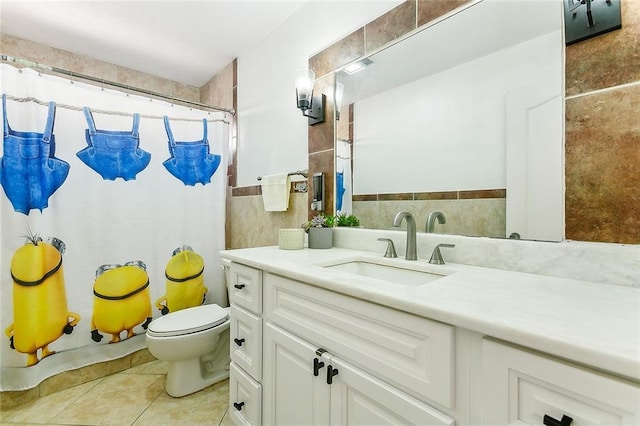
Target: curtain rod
{"type": "Point", "coordinates": [37, 66]}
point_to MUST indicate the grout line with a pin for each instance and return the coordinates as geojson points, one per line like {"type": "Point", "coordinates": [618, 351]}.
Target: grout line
{"type": "Point", "coordinates": [150, 403]}
{"type": "Point", "coordinates": [605, 90]}
{"type": "Point", "coordinates": [224, 416]}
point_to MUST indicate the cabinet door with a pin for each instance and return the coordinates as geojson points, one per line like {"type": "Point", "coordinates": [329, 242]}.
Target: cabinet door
{"type": "Point", "coordinates": [524, 388]}
{"type": "Point", "coordinates": [292, 394]}
{"type": "Point", "coordinates": [358, 398]}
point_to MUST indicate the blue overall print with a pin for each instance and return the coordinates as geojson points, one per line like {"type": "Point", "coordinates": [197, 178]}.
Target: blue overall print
{"type": "Point", "coordinates": [191, 162]}
{"type": "Point", "coordinates": [341, 189]}
{"type": "Point", "coordinates": [29, 171]}
{"type": "Point", "coordinates": [114, 154]}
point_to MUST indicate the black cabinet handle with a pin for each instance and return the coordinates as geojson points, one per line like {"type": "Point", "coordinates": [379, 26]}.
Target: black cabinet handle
{"type": "Point", "coordinates": [238, 405]}
{"type": "Point", "coordinates": [239, 286]}
{"type": "Point", "coordinates": [550, 421]}
{"type": "Point", "coordinates": [317, 365]}
{"type": "Point", "coordinates": [239, 342]}
{"type": "Point", "coordinates": [331, 371]}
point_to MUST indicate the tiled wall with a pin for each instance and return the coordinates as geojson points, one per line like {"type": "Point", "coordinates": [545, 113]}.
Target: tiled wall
{"type": "Point", "coordinates": [602, 134]}
{"type": "Point", "coordinates": [471, 213]}
{"type": "Point", "coordinates": [50, 56]}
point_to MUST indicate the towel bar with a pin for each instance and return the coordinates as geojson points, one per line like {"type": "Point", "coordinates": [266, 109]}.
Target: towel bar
{"type": "Point", "coordinates": [297, 172]}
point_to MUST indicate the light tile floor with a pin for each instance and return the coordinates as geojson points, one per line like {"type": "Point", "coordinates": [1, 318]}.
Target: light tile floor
{"type": "Point", "coordinates": [133, 397]}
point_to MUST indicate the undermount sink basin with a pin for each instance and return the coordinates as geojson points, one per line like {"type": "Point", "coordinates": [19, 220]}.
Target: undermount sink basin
{"type": "Point", "coordinates": [384, 271]}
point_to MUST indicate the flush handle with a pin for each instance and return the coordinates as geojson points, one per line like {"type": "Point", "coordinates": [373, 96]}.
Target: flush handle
{"type": "Point", "coordinates": [238, 405]}
{"type": "Point", "coordinates": [550, 421]}
{"type": "Point", "coordinates": [239, 342]}
{"type": "Point", "coordinates": [317, 365]}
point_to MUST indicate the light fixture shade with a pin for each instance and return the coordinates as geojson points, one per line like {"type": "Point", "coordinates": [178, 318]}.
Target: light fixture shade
{"type": "Point", "coordinates": [304, 80]}
{"type": "Point", "coordinates": [339, 95]}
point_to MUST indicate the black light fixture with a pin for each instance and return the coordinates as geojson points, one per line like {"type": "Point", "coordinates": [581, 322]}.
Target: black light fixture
{"type": "Point", "coordinates": [311, 106]}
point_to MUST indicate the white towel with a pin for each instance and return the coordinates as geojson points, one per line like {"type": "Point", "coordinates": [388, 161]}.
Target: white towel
{"type": "Point", "coordinates": [275, 192]}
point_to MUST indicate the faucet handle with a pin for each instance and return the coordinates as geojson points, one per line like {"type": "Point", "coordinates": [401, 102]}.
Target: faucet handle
{"type": "Point", "coordinates": [436, 256]}
{"type": "Point", "coordinates": [391, 249]}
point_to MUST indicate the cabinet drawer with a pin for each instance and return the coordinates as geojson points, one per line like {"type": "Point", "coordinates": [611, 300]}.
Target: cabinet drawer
{"type": "Point", "coordinates": [245, 398]}
{"type": "Point", "coordinates": [521, 387]}
{"type": "Point", "coordinates": [410, 352]}
{"type": "Point", "coordinates": [246, 341]}
{"type": "Point", "coordinates": [245, 288]}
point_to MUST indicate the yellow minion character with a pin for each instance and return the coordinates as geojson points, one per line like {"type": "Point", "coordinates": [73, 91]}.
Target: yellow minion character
{"type": "Point", "coordinates": [121, 300]}
{"type": "Point", "coordinates": [40, 314]}
{"type": "Point", "coordinates": [185, 281]}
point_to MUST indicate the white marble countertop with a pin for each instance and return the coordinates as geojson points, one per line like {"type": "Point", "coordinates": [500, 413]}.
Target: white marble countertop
{"type": "Point", "coordinates": [592, 324]}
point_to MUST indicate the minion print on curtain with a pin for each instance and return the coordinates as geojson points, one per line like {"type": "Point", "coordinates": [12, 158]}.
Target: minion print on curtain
{"type": "Point", "coordinates": [29, 171]}
{"type": "Point", "coordinates": [184, 281]}
{"type": "Point", "coordinates": [38, 283]}
{"type": "Point", "coordinates": [121, 300]}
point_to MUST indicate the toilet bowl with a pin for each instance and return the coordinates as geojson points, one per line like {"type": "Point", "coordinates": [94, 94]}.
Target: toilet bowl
{"type": "Point", "coordinates": [195, 343]}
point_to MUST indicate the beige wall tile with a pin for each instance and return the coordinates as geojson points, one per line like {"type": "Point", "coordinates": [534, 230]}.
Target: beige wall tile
{"type": "Point", "coordinates": [82, 375]}
{"type": "Point", "coordinates": [394, 24]}
{"type": "Point", "coordinates": [607, 60]}
{"type": "Point", "coordinates": [479, 217]}
{"type": "Point", "coordinates": [602, 166]}
{"type": "Point", "coordinates": [11, 399]}
{"type": "Point", "coordinates": [344, 51]}
{"type": "Point", "coordinates": [253, 227]}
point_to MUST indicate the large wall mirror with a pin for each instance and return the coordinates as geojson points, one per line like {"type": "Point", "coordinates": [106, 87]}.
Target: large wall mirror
{"type": "Point", "coordinates": [463, 117]}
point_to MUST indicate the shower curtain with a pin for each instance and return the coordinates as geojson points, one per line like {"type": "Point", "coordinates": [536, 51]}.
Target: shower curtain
{"type": "Point", "coordinates": [98, 190]}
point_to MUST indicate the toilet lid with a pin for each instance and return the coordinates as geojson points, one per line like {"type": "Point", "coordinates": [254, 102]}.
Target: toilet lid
{"type": "Point", "coordinates": [190, 320]}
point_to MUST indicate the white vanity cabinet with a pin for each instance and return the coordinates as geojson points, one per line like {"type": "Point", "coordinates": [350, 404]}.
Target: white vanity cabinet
{"type": "Point", "coordinates": [525, 388]}
{"type": "Point", "coordinates": [305, 354]}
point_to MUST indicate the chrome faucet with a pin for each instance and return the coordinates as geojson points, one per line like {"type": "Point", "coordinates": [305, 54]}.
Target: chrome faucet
{"type": "Point", "coordinates": [432, 219]}
{"type": "Point", "coordinates": [436, 256]}
{"type": "Point", "coordinates": [411, 250]}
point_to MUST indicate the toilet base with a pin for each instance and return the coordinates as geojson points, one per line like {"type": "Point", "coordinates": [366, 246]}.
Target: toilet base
{"type": "Point", "coordinates": [184, 378]}
{"type": "Point", "coordinates": [191, 375]}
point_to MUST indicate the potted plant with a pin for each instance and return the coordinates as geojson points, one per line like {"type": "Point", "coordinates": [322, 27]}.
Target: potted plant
{"type": "Point", "coordinates": [320, 232]}
{"type": "Point", "coordinates": [342, 219]}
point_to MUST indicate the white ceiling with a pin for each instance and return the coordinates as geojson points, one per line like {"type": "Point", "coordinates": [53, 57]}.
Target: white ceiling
{"type": "Point", "coordinates": [185, 41]}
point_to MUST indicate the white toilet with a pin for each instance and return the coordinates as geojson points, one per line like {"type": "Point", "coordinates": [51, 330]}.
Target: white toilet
{"type": "Point", "coordinates": [195, 343]}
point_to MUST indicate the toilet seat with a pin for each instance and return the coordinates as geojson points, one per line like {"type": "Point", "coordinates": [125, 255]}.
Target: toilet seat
{"type": "Point", "coordinates": [187, 321]}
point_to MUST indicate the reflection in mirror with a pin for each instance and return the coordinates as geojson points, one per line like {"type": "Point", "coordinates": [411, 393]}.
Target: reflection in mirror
{"type": "Point", "coordinates": [464, 117]}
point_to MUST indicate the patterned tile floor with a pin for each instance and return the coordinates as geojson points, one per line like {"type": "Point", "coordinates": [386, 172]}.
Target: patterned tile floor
{"type": "Point", "coordinates": [133, 397]}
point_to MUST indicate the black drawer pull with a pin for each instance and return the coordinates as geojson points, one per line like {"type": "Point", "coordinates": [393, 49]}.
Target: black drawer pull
{"type": "Point", "coordinates": [317, 365]}
{"type": "Point", "coordinates": [550, 421]}
{"type": "Point", "coordinates": [238, 405]}
{"type": "Point", "coordinates": [239, 286]}
{"type": "Point", "coordinates": [239, 342]}
{"type": "Point", "coordinates": [331, 371]}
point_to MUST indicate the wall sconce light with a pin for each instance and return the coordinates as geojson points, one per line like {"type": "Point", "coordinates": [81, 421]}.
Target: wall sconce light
{"type": "Point", "coordinates": [311, 106]}
{"type": "Point", "coordinates": [339, 95]}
